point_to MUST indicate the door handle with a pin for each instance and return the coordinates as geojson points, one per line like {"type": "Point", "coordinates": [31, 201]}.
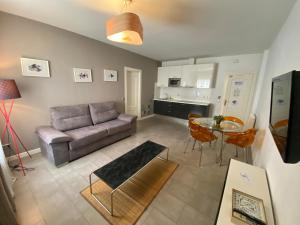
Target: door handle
{"type": "Point", "coordinates": [225, 102]}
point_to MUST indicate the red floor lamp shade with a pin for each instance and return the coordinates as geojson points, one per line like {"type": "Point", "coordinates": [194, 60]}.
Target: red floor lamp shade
{"type": "Point", "coordinates": [8, 92]}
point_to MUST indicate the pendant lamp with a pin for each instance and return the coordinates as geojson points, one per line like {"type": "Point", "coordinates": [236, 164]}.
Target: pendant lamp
{"type": "Point", "coordinates": [125, 28]}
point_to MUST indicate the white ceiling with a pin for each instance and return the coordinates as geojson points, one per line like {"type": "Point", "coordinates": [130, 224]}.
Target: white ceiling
{"type": "Point", "coordinates": [172, 28]}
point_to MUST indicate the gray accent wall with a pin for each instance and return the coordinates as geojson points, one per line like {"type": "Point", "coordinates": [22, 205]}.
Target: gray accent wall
{"type": "Point", "coordinates": [20, 37]}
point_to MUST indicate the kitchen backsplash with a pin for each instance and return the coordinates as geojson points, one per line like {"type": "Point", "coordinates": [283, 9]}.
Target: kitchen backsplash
{"type": "Point", "coordinates": [196, 94]}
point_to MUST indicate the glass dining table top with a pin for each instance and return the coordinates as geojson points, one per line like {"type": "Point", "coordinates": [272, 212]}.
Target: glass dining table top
{"type": "Point", "coordinates": [225, 126]}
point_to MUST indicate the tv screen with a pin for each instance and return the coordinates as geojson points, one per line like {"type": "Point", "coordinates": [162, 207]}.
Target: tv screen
{"type": "Point", "coordinates": [280, 111]}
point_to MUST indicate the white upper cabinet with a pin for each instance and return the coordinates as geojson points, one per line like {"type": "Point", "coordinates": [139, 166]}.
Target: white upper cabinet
{"type": "Point", "coordinates": [193, 76]}
{"type": "Point", "coordinates": [198, 76]}
{"type": "Point", "coordinates": [164, 73]}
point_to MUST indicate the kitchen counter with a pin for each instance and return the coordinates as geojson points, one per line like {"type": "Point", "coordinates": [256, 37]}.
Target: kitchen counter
{"type": "Point", "coordinates": [183, 101]}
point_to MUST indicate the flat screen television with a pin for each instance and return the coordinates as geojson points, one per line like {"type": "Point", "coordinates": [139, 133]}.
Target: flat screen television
{"type": "Point", "coordinates": [285, 115]}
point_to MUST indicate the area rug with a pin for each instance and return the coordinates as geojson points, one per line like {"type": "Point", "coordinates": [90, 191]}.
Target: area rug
{"type": "Point", "coordinates": [135, 196]}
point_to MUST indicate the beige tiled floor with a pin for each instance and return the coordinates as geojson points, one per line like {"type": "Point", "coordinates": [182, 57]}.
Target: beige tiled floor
{"type": "Point", "coordinates": [50, 195]}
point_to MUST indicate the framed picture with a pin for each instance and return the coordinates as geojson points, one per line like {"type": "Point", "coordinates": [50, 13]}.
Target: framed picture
{"type": "Point", "coordinates": [82, 75]}
{"type": "Point", "coordinates": [247, 209]}
{"type": "Point", "coordinates": [35, 67]}
{"type": "Point", "coordinates": [110, 75]}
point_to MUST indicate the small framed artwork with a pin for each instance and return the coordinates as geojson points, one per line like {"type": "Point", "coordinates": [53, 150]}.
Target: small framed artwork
{"type": "Point", "coordinates": [82, 75]}
{"type": "Point", "coordinates": [111, 75]}
{"type": "Point", "coordinates": [35, 67]}
{"type": "Point", "coordinates": [247, 209]}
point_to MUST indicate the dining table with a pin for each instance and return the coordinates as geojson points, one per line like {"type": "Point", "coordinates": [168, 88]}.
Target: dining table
{"type": "Point", "coordinates": [225, 127]}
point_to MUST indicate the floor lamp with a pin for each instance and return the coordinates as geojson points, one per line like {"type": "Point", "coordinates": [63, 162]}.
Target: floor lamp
{"type": "Point", "coordinates": [8, 92]}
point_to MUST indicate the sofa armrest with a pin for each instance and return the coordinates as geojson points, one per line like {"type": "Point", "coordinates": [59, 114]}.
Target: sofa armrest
{"type": "Point", "coordinates": [127, 118]}
{"type": "Point", "coordinates": [52, 136]}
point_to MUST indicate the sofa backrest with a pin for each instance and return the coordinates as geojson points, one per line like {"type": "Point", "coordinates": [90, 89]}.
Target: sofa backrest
{"type": "Point", "coordinates": [65, 118]}
{"type": "Point", "coordinates": [102, 112]}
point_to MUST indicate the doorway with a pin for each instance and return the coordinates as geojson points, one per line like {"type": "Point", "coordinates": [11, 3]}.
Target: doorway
{"type": "Point", "coordinates": [133, 87]}
{"type": "Point", "coordinates": [238, 96]}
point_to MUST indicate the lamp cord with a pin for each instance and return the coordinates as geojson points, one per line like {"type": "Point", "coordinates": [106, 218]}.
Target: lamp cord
{"type": "Point", "coordinates": [126, 4]}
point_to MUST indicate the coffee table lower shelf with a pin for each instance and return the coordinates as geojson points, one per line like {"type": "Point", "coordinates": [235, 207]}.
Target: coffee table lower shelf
{"type": "Point", "coordinates": [111, 210]}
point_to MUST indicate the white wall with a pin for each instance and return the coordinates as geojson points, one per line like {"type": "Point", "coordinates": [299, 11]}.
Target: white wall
{"type": "Point", "coordinates": [231, 65]}
{"type": "Point", "coordinates": [284, 179]}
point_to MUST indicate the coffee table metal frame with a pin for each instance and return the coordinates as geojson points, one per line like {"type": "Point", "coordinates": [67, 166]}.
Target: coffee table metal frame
{"type": "Point", "coordinates": [111, 210]}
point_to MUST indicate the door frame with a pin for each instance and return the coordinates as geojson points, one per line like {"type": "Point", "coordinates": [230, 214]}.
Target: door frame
{"type": "Point", "coordinates": [225, 94]}
{"type": "Point", "coordinates": [126, 70]}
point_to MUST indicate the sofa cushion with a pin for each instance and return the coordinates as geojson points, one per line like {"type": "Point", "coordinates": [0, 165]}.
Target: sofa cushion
{"type": "Point", "coordinates": [86, 135]}
{"type": "Point", "coordinates": [102, 112]}
{"type": "Point", "coordinates": [70, 117]}
{"type": "Point", "coordinates": [115, 126]}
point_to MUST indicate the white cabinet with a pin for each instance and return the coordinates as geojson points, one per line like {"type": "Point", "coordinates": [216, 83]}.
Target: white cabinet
{"type": "Point", "coordinates": [198, 76]}
{"type": "Point", "coordinates": [193, 76]}
{"type": "Point", "coordinates": [164, 73]}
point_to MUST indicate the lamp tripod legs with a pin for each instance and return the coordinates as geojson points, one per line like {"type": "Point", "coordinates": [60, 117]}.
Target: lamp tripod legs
{"type": "Point", "coordinates": [11, 132]}
{"type": "Point", "coordinates": [17, 136]}
{"type": "Point", "coordinates": [17, 150]}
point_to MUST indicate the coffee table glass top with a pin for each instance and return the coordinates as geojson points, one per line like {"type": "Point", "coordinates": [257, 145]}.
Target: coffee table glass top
{"type": "Point", "coordinates": [121, 169]}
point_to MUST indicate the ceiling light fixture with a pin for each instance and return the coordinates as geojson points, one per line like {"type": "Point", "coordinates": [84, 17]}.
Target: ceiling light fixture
{"type": "Point", "coordinates": [125, 28]}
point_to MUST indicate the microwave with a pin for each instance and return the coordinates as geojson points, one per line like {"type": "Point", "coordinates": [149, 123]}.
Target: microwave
{"type": "Point", "coordinates": [174, 82]}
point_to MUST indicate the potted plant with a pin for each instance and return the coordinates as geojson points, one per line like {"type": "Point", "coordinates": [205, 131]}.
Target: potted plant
{"type": "Point", "coordinates": [218, 119]}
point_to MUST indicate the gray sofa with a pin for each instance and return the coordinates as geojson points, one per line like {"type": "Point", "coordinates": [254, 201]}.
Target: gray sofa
{"type": "Point", "coordinates": [78, 130]}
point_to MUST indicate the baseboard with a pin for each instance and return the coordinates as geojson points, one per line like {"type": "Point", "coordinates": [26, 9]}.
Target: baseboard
{"type": "Point", "coordinates": [146, 117]}
{"type": "Point", "coordinates": [24, 154]}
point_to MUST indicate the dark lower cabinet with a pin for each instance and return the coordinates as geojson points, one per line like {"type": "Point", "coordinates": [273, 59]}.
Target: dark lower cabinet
{"type": "Point", "coordinates": [179, 110]}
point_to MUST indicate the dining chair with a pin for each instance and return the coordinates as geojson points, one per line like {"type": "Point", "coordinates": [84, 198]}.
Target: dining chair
{"type": "Point", "coordinates": [201, 135]}
{"type": "Point", "coordinates": [241, 140]}
{"type": "Point", "coordinates": [191, 117]}
{"type": "Point", "coordinates": [236, 120]}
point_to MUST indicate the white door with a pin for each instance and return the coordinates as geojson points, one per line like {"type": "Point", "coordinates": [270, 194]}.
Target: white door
{"type": "Point", "coordinates": [133, 91]}
{"type": "Point", "coordinates": [238, 96]}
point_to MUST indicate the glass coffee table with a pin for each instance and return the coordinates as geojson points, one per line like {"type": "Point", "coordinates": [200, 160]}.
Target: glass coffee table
{"type": "Point", "coordinates": [119, 171]}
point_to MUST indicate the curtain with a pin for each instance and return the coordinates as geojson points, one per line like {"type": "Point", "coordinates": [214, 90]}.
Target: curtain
{"type": "Point", "coordinates": [7, 205]}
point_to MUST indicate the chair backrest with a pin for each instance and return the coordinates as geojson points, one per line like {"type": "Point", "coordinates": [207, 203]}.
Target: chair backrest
{"type": "Point", "coordinates": [202, 134]}
{"type": "Point", "coordinates": [193, 115]}
{"type": "Point", "coordinates": [234, 119]}
{"type": "Point", "coordinates": [251, 121]}
{"type": "Point", "coordinates": [192, 125]}
{"type": "Point", "coordinates": [243, 139]}
{"type": "Point", "coordinates": [281, 123]}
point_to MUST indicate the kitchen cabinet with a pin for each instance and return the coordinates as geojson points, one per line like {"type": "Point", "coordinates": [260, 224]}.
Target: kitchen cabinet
{"type": "Point", "coordinates": [179, 110]}
{"type": "Point", "coordinates": [194, 76]}
{"type": "Point", "coordinates": [164, 73]}
{"type": "Point", "coordinates": [199, 75]}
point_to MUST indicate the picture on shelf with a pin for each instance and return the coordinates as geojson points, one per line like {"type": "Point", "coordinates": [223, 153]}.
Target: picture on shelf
{"type": "Point", "coordinates": [247, 209]}
{"type": "Point", "coordinates": [82, 75]}
{"type": "Point", "coordinates": [110, 75]}
{"type": "Point", "coordinates": [35, 67]}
